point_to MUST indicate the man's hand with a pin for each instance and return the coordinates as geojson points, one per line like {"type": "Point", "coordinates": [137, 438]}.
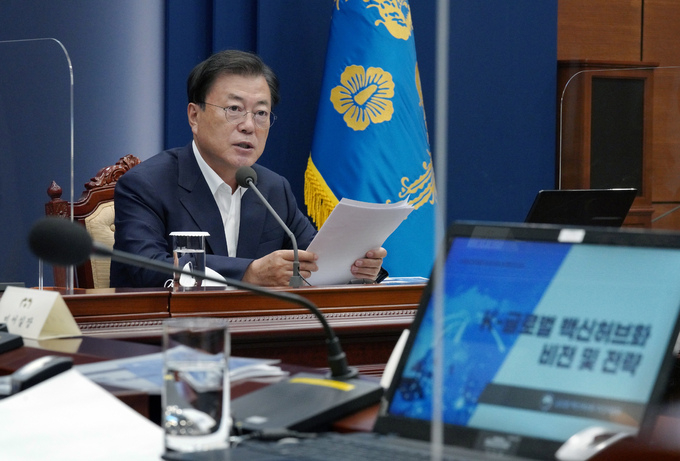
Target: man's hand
{"type": "Point", "coordinates": [276, 268]}
{"type": "Point", "coordinates": [369, 267]}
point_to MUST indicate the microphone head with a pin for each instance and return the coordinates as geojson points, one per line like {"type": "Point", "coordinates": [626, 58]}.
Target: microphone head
{"type": "Point", "coordinates": [60, 242]}
{"type": "Point", "coordinates": [244, 174]}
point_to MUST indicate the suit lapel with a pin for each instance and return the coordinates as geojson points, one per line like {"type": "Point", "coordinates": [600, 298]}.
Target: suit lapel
{"type": "Point", "coordinates": [199, 202]}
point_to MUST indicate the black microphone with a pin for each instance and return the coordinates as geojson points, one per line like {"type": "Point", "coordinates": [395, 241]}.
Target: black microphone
{"type": "Point", "coordinates": [61, 242]}
{"type": "Point", "coordinates": [247, 177]}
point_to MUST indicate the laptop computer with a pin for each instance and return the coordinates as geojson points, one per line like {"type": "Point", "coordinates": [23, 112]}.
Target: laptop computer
{"type": "Point", "coordinates": [547, 331]}
{"type": "Point", "coordinates": [582, 207]}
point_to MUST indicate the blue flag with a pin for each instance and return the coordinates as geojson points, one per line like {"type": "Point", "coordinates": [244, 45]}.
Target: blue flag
{"type": "Point", "coordinates": [370, 141]}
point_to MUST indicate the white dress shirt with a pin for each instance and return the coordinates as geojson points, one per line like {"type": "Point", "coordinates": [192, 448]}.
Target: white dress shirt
{"type": "Point", "coordinates": [229, 203]}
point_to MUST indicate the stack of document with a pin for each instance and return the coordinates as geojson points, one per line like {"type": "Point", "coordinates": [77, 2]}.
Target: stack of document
{"type": "Point", "coordinates": [352, 229]}
{"type": "Point", "coordinates": [145, 372]}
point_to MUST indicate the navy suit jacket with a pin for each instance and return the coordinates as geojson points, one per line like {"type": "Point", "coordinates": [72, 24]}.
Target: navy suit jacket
{"type": "Point", "coordinates": [168, 193]}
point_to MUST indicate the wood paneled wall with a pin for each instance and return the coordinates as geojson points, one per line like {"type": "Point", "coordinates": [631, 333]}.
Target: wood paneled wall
{"type": "Point", "coordinates": [636, 30]}
{"type": "Point", "coordinates": [601, 30]}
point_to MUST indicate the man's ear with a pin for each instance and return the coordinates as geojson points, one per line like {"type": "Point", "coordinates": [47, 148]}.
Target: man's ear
{"type": "Point", "coordinates": [192, 115]}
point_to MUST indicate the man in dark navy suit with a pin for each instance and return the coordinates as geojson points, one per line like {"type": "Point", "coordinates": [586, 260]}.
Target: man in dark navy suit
{"type": "Point", "coordinates": [193, 188]}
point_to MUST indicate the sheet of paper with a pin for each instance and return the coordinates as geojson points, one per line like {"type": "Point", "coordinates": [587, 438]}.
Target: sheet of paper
{"type": "Point", "coordinates": [70, 418]}
{"type": "Point", "coordinates": [350, 231]}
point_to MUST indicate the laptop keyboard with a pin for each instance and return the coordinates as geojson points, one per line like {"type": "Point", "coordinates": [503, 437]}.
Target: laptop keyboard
{"type": "Point", "coordinates": [336, 447]}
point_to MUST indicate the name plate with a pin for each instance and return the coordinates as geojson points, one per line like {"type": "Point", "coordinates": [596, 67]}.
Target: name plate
{"type": "Point", "coordinates": [37, 314]}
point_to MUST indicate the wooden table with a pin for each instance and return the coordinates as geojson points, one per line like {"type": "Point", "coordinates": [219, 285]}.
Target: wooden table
{"type": "Point", "coordinates": [368, 319]}
{"type": "Point", "coordinates": [119, 313]}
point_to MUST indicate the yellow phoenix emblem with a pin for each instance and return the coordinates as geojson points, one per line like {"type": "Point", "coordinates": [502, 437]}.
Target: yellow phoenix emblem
{"type": "Point", "coordinates": [396, 15]}
{"type": "Point", "coordinates": [422, 190]}
{"type": "Point", "coordinates": [364, 96]}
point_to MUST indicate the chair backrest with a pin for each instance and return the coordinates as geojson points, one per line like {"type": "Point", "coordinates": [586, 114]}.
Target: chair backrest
{"type": "Point", "coordinates": [94, 210]}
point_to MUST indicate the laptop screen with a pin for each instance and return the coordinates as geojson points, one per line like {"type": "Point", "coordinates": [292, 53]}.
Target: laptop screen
{"type": "Point", "coordinates": [582, 207]}
{"type": "Point", "coordinates": [546, 332]}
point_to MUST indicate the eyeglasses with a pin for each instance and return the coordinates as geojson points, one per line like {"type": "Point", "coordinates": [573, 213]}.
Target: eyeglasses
{"type": "Point", "coordinates": [236, 115]}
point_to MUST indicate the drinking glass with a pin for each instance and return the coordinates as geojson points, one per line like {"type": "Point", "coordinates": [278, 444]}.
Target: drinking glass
{"type": "Point", "coordinates": [195, 394]}
{"type": "Point", "coordinates": [188, 253]}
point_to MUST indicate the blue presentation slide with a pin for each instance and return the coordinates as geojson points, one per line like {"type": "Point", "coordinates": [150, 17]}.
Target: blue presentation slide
{"type": "Point", "coordinates": [546, 337]}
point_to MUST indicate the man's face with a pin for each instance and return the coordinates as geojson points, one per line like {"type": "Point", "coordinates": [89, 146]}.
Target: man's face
{"type": "Point", "coordinates": [227, 146]}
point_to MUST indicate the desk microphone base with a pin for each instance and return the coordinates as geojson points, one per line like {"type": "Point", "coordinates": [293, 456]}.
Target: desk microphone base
{"type": "Point", "coordinates": [305, 402]}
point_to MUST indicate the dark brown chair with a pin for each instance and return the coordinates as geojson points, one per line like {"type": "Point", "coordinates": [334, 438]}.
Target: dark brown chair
{"type": "Point", "coordinates": [94, 210]}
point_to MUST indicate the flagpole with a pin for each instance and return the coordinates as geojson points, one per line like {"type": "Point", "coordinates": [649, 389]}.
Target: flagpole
{"type": "Point", "coordinates": [441, 149]}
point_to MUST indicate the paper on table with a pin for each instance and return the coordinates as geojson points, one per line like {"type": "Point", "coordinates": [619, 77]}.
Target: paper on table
{"type": "Point", "coordinates": [351, 230]}
{"type": "Point", "coordinates": [145, 372]}
{"type": "Point", "coordinates": [70, 418]}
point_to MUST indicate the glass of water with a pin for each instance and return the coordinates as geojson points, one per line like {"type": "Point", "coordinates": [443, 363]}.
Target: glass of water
{"type": "Point", "coordinates": [195, 395]}
{"type": "Point", "coordinates": [188, 253]}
